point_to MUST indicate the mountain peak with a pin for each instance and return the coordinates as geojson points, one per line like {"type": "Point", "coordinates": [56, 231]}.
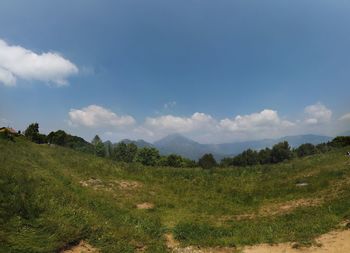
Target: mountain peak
{"type": "Point", "coordinates": [174, 139]}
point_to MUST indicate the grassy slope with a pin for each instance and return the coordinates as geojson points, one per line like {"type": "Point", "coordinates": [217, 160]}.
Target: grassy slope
{"type": "Point", "coordinates": [44, 208]}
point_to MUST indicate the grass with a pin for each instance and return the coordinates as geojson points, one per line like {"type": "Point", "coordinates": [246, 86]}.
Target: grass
{"type": "Point", "coordinates": [45, 208]}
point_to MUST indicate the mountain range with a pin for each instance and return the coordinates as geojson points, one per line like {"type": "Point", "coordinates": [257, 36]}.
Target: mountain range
{"type": "Point", "coordinates": [181, 145]}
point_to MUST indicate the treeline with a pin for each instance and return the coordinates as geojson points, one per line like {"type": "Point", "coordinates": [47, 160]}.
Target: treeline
{"type": "Point", "coordinates": [150, 156]}
{"type": "Point", "coordinates": [281, 152]}
{"type": "Point", "coordinates": [121, 152]}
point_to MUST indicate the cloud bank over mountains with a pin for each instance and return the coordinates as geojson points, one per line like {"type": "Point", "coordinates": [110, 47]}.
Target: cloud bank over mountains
{"type": "Point", "coordinates": [203, 127]}
{"type": "Point", "coordinates": [17, 62]}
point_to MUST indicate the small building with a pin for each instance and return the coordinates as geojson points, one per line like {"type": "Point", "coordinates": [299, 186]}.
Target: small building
{"type": "Point", "coordinates": [9, 130]}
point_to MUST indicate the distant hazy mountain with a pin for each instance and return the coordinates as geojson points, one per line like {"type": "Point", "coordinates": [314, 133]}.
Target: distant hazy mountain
{"type": "Point", "coordinates": [181, 145]}
{"type": "Point", "coordinates": [178, 144]}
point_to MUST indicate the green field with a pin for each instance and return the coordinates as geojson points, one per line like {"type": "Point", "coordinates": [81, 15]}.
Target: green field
{"type": "Point", "coordinates": [52, 197]}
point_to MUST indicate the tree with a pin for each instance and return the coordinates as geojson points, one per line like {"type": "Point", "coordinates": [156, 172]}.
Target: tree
{"type": "Point", "coordinates": [188, 163]}
{"type": "Point", "coordinates": [99, 147]}
{"type": "Point", "coordinates": [280, 152]}
{"type": "Point", "coordinates": [207, 161]}
{"type": "Point", "coordinates": [305, 150]}
{"type": "Point", "coordinates": [323, 147]}
{"type": "Point", "coordinates": [174, 161]}
{"type": "Point", "coordinates": [265, 156]}
{"type": "Point", "coordinates": [148, 156]}
{"type": "Point", "coordinates": [226, 162]}
{"type": "Point", "coordinates": [62, 138]}
{"type": "Point", "coordinates": [58, 137]}
{"type": "Point", "coordinates": [125, 152]}
{"type": "Point", "coordinates": [32, 133]}
{"type": "Point", "coordinates": [340, 141]}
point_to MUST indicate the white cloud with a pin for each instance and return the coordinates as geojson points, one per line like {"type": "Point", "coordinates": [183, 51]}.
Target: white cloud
{"type": "Point", "coordinates": [203, 127]}
{"type": "Point", "coordinates": [170, 123]}
{"type": "Point", "coordinates": [95, 116]}
{"type": "Point", "coordinates": [345, 117]}
{"type": "Point", "coordinates": [264, 124]}
{"type": "Point", "coordinates": [317, 113]}
{"type": "Point", "coordinates": [18, 62]}
{"type": "Point", "coordinates": [7, 78]}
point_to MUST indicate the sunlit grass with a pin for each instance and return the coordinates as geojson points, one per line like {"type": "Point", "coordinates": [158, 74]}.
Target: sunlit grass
{"type": "Point", "coordinates": [44, 206]}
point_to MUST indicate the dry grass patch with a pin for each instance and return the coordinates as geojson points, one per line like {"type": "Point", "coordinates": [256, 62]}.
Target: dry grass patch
{"type": "Point", "coordinates": [82, 247]}
{"type": "Point", "coordinates": [145, 205]}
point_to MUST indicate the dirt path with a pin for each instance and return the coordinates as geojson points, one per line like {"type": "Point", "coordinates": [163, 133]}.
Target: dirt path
{"type": "Point", "coordinates": [333, 242]}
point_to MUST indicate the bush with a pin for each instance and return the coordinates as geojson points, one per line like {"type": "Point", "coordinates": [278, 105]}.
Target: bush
{"type": "Point", "coordinates": [306, 149]}
{"type": "Point", "coordinates": [148, 156]}
{"type": "Point", "coordinates": [207, 161]}
{"type": "Point", "coordinates": [340, 141]}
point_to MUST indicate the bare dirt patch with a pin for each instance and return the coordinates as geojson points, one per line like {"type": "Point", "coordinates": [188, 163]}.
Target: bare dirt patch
{"type": "Point", "coordinates": [98, 184]}
{"type": "Point", "coordinates": [145, 205]}
{"type": "Point", "coordinates": [333, 242]}
{"type": "Point", "coordinates": [128, 185]}
{"type": "Point", "coordinates": [174, 246]}
{"type": "Point", "coordinates": [194, 249]}
{"type": "Point", "coordinates": [82, 247]}
{"type": "Point", "coordinates": [171, 242]}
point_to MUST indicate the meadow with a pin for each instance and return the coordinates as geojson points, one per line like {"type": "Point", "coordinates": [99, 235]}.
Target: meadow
{"type": "Point", "coordinates": [53, 197]}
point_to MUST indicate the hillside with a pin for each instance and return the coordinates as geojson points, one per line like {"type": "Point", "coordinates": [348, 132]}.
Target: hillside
{"type": "Point", "coordinates": [53, 197]}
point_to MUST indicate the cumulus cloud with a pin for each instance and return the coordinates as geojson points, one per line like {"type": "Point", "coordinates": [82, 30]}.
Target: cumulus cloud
{"type": "Point", "coordinates": [95, 116]}
{"type": "Point", "coordinates": [345, 117]}
{"type": "Point", "coordinates": [203, 127]}
{"type": "Point", "coordinates": [170, 123]}
{"type": "Point", "coordinates": [266, 119]}
{"type": "Point", "coordinates": [18, 62]}
{"type": "Point", "coordinates": [317, 113]}
{"type": "Point", "coordinates": [264, 124]}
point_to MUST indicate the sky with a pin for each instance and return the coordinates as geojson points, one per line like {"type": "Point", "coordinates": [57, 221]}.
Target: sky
{"type": "Point", "coordinates": [214, 71]}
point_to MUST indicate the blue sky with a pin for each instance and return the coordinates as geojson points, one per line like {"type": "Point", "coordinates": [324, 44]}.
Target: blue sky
{"type": "Point", "coordinates": [214, 71]}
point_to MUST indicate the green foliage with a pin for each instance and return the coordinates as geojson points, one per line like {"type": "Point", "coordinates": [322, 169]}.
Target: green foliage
{"type": "Point", "coordinates": [207, 161]}
{"type": "Point", "coordinates": [280, 152]}
{"type": "Point", "coordinates": [323, 147]}
{"type": "Point", "coordinates": [306, 149]}
{"type": "Point", "coordinates": [265, 156]}
{"type": "Point", "coordinates": [61, 138]}
{"type": "Point", "coordinates": [247, 157]}
{"type": "Point", "coordinates": [125, 152]}
{"type": "Point", "coordinates": [340, 141]}
{"type": "Point", "coordinates": [99, 148]}
{"type": "Point", "coordinates": [188, 163]}
{"type": "Point", "coordinates": [174, 161]}
{"type": "Point", "coordinates": [148, 156]}
{"type": "Point", "coordinates": [53, 197]}
{"type": "Point", "coordinates": [32, 133]}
